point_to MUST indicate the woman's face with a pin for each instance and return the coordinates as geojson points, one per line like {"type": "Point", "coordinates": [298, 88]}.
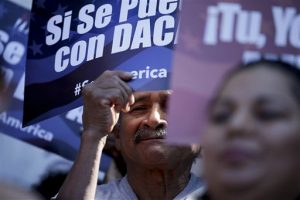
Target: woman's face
{"type": "Point", "coordinates": [253, 133]}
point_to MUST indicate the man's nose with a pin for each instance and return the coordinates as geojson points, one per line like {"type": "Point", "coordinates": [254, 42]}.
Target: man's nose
{"type": "Point", "coordinates": [156, 117]}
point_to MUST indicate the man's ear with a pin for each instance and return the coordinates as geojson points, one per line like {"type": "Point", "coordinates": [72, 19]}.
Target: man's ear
{"type": "Point", "coordinates": [116, 132]}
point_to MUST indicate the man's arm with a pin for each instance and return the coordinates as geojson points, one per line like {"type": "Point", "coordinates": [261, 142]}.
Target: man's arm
{"type": "Point", "coordinates": [81, 182]}
{"type": "Point", "coordinates": [103, 101]}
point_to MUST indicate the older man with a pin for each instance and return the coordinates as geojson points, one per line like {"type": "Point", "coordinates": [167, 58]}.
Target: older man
{"type": "Point", "coordinates": [155, 170]}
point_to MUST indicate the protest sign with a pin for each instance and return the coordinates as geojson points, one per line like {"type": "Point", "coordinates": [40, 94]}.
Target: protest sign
{"type": "Point", "coordinates": [60, 134]}
{"type": "Point", "coordinates": [72, 42]}
{"type": "Point", "coordinates": [216, 36]}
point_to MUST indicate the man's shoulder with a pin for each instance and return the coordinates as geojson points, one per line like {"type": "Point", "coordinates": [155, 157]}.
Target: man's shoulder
{"type": "Point", "coordinates": [195, 183]}
{"type": "Point", "coordinates": [195, 187]}
{"type": "Point", "coordinates": [115, 190]}
{"type": "Point", "coordinates": [112, 187]}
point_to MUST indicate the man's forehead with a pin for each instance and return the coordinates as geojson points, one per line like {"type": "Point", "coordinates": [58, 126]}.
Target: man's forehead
{"type": "Point", "coordinates": [149, 95]}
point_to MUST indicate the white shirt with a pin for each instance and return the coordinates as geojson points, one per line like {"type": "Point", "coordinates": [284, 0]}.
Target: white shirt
{"type": "Point", "coordinates": [120, 189]}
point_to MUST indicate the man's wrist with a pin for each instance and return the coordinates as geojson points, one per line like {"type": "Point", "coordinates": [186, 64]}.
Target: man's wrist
{"type": "Point", "coordinates": [93, 137]}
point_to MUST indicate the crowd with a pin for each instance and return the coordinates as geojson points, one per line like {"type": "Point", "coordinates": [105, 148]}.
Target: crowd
{"type": "Point", "coordinates": [250, 146]}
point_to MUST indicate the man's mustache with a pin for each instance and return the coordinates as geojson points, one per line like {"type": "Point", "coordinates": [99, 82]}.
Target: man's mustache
{"type": "Point", "coordinates": [148, 133]}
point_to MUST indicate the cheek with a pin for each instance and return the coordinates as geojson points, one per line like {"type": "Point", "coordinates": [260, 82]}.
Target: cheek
{"type": "Point", "coordinates": [212, 139]}
{"type": "Point", "coordinates": [212, 135]}
{"type": "Point", "coordinates": [129, 128]}
{"type": "Point", "coordinates": [211, 144]}
{"type": "Point", "coordinates": [283, 142]}
{"type": "Point", "coordinates": [129, 124]}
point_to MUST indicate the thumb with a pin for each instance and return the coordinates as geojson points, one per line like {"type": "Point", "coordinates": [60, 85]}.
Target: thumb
{"type": "Point", "coordinates": [125, 76]}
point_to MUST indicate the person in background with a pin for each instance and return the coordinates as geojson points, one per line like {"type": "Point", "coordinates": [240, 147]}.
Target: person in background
{"type": "Point", "coordinates": [50, 184]}
{"type": "Point", "coordinates": [155, 170]}
{"type": "Point", "coordinates": [2, 83]}
{"type": "Point", "coordinates": [12, 192]}
{"type": "Point", "coordinates": [1, 78]}
{"type": "Point", "coordinates": [251, 145]}
{"type": "Point", "coordinates": [5, 90]}
{"type": "Point", "coordinates": [9, 191]}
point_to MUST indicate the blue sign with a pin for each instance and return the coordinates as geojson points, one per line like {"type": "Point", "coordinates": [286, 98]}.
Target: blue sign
{"type": "Point", "coordinates": [60, 134]}
{"type": "Point", "coordinates": [72, 42]}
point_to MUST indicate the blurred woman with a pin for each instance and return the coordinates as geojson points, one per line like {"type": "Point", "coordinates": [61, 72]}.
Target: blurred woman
{"type": "Point", "coordinates": [251, 147]}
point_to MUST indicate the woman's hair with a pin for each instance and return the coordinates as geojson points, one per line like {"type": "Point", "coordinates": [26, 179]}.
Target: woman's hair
{"type": "Point", "coordinates": [291, 72]}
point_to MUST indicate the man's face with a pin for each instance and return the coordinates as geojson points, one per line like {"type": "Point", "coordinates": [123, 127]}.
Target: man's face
{"type": "Point", "coordinates": [143, 130]}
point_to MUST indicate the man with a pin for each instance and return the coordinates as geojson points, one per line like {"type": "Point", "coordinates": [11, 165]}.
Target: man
{"type": "Point", "coordinates": [155, 170]}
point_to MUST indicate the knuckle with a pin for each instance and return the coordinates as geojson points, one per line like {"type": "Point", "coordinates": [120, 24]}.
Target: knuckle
{"type": "Point", "coordinates": [87, 90]}
{"type": "Point", "coordinates": [107, 73]}
{"type": "Point", "coordinates": [115, 80]}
